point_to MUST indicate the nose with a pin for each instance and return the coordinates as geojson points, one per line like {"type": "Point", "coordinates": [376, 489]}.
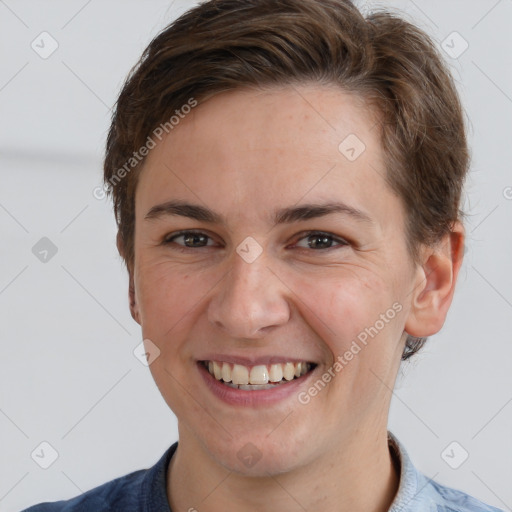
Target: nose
{"type": "Point", "coordinates": [249, 301]}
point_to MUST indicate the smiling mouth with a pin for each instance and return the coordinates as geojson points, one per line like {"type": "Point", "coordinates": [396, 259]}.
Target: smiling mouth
{"type": "Point", "coordinates": [252, 378]}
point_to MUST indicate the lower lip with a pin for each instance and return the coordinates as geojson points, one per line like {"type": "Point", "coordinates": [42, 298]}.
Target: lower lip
{"type": "Point", "coordinates": [243, 397]}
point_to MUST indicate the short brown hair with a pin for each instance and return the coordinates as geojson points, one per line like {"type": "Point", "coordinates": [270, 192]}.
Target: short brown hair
{"type": "Point", "coordinates": [222, 45]}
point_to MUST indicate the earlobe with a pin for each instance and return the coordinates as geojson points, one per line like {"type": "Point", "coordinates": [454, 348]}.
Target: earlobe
{"type": "Point", "coordinates": [134, 307]}
{"type": "Point", "coordinates": [434, 286]}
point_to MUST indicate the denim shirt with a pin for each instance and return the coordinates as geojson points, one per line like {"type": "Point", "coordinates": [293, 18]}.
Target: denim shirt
{"type": "Point", "coordinates": [145, 491]}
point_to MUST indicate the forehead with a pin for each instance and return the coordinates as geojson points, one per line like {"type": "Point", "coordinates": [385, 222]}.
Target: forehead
{"type": "Point", "coordinates": [250, 149]}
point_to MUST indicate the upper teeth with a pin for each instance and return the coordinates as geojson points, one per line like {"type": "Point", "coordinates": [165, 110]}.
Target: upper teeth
{"type": "Point", "coordinates": [260, 374]}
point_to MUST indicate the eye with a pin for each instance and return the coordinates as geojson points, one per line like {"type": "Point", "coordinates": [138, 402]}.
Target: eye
{"type": "Point", "coordinates": [320, 240]}
{"type": "Point", "coordinates": [315, 240]}
{"type": "Point", "coordinates": [191, 239]}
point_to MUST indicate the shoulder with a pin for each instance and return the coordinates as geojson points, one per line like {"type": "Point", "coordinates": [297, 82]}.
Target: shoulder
{"type": "Point", "coordinates": [447, 499]}
{"type": "Point", "coordinates": [132, 492]}
{"type": "Point", "coordinates": [119, 492]}
{"type": "Point", "coordinates": [441, 498]}
{"type": "Point", "coordinates": [417, 493]}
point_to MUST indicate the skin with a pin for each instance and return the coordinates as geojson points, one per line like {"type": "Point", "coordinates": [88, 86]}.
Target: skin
{"type": "Point", "coordinates": [244, 154]}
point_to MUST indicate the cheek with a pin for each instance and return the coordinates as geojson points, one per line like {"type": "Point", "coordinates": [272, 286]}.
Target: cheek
{"type": "Point", "coordinates": [167, 294]}
{"type": "Point", "coordinates": [361, 319]}
{"type": "Point", "coordinates": [347, 303]}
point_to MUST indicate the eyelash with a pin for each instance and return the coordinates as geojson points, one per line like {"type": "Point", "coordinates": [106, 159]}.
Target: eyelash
{"type": "Point", "coordinates": [307, 234]}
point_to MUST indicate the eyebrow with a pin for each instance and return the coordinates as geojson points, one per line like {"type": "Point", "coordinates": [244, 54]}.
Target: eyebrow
{"type": "Point", "coordinates": [282, 216]}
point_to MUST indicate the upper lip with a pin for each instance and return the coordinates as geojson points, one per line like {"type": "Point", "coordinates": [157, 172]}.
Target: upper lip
{"type": "Point", "coordinates": [253, 361]}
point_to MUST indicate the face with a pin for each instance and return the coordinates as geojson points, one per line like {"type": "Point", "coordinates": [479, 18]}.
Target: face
{"type": "Point", "coordinates": [256, 278]}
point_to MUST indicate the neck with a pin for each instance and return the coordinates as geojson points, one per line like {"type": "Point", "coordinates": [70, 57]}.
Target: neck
{"type": "Point", "coordinates": [360, 474]}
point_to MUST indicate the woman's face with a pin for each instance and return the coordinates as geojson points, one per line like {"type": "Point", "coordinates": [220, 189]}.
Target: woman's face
{"type": "Point", "coordinates": [253, 287]}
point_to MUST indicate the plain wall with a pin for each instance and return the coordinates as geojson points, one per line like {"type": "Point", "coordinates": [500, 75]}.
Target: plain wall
{"type": "Point", "coordinates": [68, 375]}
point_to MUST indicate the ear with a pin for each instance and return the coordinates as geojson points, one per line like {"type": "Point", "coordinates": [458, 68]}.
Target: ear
{"type": "Point", "coordinates": [132, 298]}
{"type": "Point", "coordinates": [435, 284]}
{"type": "Point", "coordinates": [134, 307]}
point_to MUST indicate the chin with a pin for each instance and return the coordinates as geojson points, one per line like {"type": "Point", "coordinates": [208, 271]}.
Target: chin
{"type": "Point", "coordinates": [257, 455]}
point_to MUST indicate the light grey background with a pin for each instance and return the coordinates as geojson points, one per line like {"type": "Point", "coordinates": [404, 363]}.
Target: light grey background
{"type": "Point", "coordinates": [68, 375]}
